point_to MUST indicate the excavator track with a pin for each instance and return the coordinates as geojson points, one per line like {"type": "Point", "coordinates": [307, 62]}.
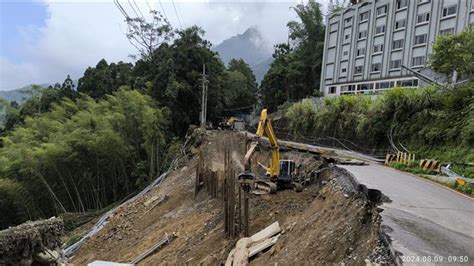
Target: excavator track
{"type": "Point", "coordinates": [262, 187]}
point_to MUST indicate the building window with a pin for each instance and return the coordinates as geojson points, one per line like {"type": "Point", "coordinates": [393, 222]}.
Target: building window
{"type": "Point", "coordinates": [347, 21]}
{"type": "Point", "coordinates": [346, 53]}
{"type": "Point", "coordinates": [332, 90]}
{"type": "Point", "coordinates": [344, 70]}
{"type": "Point", "coordinates": [400, 24]}
{"type": "Point", "coordinates": [376, 67]}
{"type": "Point", "coordinates": [378, 48]}
{"type": "Point", "coordinates": [360, 52]}
{"type": "Point", "coordinates": [380, 29]}
{"type": "Point", "coordinates": [358, 70]}
{"type": "Point", "coordinates": [364, 16]}
{"type": "Point", "coordinates": [362, 34]}
{"type": "Point", "coordinates": [423, 18]}
{"type": "Point", "coordinates": [395, 64]}
{"type": "Point", "coordinates": [450, 10]}
{"type": "Point", "coordinates": [408, 83]}
{"type": "Point", "coordinates": [418, 61]}
{"type": "Point", "coordinates": [381, 10]}
{"type": "Point", "coordinates": [397, 44]}
{"type": "Point", "coordinates": [446, 31]}
{"type": "Point", "coordinates": [384, 85]}
{"type": "Point", "coordinates": [401, 4]}
{"type": "Point", "coordinates": [347, 37]}
{"type": "Point", "coordinates": [421, 39]}
{"type": "Point", "coordinates": [345, 88]}
{"type": "Point", "coordinates": [365, 87]}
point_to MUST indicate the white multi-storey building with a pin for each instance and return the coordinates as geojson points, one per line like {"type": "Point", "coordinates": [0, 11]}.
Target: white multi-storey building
{"type": "Point", "coordinates": [367, 44]}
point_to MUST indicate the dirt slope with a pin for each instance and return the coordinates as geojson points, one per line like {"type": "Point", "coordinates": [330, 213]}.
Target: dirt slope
{"type": "Point", "coordinates": [329, 222]}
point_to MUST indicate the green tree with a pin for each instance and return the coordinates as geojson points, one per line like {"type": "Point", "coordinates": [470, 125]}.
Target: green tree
{"type": "Point", "coordinates": [175, 75]}
{"type": "Point", "coordinates": [302, 117]}
{"type": "Point", "coordinates": [105, 79]}
{"type": "Point", "coordinates": [146, 36]}
{"type": "Point", "coordinates": [309, 37]}
{"type": "Point", "coordinates": [239, 87]}
{"type": "Point", "coordinates": [241, 66]}
{"type": "Point", "coordinates": [454, 53]}
{"type": "Point", "coordinates": [67, 88]}
{"type": "Point", "coordinates": [82, 154]}
{"type": "Point", "coordinates": [295, 72]}
{"type": "Point", "coordinates": [335, 6]}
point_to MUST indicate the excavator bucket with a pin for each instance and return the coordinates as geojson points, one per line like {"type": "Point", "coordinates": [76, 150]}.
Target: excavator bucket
{"type": "Point", "coordinates": [246, 180]}
{"type": "Point", "coordinates": [246, 176]}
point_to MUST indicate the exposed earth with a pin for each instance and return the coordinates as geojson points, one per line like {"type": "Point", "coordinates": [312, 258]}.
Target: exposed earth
{"type": "Point", "coordinates": [334, 219]}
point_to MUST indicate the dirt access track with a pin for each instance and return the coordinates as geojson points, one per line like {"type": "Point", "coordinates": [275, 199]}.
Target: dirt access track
{"type": "Point", "coordinates": [334, 220]}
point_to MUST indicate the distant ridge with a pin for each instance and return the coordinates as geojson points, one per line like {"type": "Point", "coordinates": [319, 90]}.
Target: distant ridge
{"type": "Point", "coordinates": [19, 96]}
{"type": "Point", "coordinates": [249, 46]}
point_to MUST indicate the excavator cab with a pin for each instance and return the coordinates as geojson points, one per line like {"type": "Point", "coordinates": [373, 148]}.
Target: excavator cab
{"type": "Point", "coordinates": [287, 171]}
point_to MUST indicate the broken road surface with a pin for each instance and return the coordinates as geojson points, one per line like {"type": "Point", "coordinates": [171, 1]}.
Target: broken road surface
{"type": "Point", "coordinates": [427, 219]}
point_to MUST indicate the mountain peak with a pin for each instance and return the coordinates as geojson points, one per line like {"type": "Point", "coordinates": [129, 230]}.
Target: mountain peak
{"type": "Point", "coordinates": [250, 46]}
{"type": "Point", "coordinates": [252, 31]}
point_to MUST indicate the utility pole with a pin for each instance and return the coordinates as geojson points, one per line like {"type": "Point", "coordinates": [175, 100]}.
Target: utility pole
{"type": "Point", "coordinates": [204, 97]}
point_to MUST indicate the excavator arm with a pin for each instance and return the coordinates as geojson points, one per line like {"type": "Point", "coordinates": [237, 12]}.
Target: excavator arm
{"type": "Point", "coordinates": [265, 126]}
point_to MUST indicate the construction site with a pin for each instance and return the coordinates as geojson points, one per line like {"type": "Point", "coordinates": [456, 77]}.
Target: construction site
{"type": "Point", "coordinates": [221, 204]}
{"type": "Point", "coordinates": [232, 197]}
{"type": "Point", "coordinates": [332, 220]}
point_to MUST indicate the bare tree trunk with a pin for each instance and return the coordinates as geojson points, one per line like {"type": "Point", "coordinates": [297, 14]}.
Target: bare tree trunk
{"type": "Point", "coordinates": [51, 191]}
{"type": "Point", "coordinates": [65, 187]}
{"type": "Point", "coordinates": [77, 191]}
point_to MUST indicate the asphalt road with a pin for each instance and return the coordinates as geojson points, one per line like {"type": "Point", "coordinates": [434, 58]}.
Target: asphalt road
{"type": "Point", "coordinates": [426, 219]}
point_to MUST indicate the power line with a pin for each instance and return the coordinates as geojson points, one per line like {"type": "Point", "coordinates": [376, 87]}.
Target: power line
{"type": "Point", "coordinates": [121, 9]}
{"type": "Point", "coordinates": [149, 7]}
{"type": "Point", "coordinates": [176, 11]}
{"type": "Point", "coordinates": [138, 8]}
{"type": "Point", "coordinates": [179, 13]}
{"type": "Point", "coordinates": [163, 9]}
{"type": "Point", "coordinates": [133, 9]}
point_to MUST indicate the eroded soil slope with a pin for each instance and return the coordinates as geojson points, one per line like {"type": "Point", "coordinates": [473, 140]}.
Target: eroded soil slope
{"type": "Point", "coordinates": [331, 221]}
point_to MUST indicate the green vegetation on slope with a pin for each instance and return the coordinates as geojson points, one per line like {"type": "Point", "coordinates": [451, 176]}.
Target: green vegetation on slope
{"type": "Point", "coordinates": [80, 156]}
{"type": "Point", "coordinates": [431, 122]}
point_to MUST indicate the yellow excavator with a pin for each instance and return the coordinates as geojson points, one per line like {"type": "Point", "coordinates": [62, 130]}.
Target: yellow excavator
{"type": "Point", "coordinates": [281, 173]}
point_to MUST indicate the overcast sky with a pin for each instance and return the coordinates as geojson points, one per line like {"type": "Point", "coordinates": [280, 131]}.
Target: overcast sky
{"type": "Point", "coordinates": [43, 41]}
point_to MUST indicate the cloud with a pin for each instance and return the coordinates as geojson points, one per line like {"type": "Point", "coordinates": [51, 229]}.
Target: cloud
{"type": "Point", "coordinates": [74, 36]}
{"type": "Point", "coordinates": [78, 34]}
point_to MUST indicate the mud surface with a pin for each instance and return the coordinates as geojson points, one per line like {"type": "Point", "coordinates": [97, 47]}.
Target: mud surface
{"type": "Point", "coordinates": [333, 220]}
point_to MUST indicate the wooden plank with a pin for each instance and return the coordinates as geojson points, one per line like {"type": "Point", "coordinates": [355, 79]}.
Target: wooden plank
{"type": "Point", "coordinates": [260, 241]}
{"type": "Point", "coordinates": [259, 247]}
{"type": "Point", "coordinates": [268, 232]}
{"type": "Point", "coordinates": [230, 258]}
{"type": "Point", "coordinates": [241, 255]}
